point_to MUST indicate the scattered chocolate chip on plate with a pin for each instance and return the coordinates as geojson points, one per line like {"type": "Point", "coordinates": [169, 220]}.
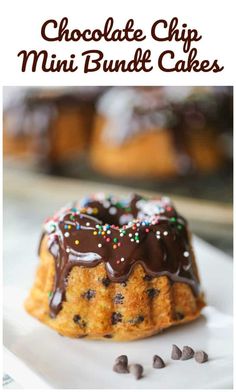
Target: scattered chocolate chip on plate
{"type": "Point", "coordinates": [136, 370]}
{"type": "Point", "coordinates": [176, 353]}
{"type": "Point", "coordinates": [187, 353]}
{"type": "Point", "coordinates": [201, 356]}
{"type": "Point", "coordinates": [158, 362]}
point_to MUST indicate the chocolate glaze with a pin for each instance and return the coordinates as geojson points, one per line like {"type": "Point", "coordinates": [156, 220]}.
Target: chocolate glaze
{"type": "Point", "coordinates": [119, 233]}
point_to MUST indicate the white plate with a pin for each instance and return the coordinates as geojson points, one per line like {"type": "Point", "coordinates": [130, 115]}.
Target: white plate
{"type": "Point", "coordinates": [37, 357]}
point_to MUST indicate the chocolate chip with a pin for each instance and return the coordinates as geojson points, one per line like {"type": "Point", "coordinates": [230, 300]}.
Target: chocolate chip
{"type": "Point", "coordinates": [77, 320]}
{"type": "Point", "coordinates": [116, 317]}
{"type": "Point", "coordinates": [122, 359]}
{"type": "Point", "coordinates": [106, 282]}
{"type": "Point", "coordinates": [179, 316]}
{"type": "Point", "coordinates": [118, 299]}
{"type": "Point", "coordinates": [89, 294]}
{"type": "Point", "coordinates": [124, 284]}
{"type": "Point", "coordinates": [120, 368]}
{"type": "Point", "coordinates": [136, 320]}
{"type": "Point", "coordinates": [136, 370]}
{"type": "Point", "coordinates": [187, 353]}
{"type": "Point", "coordinates": [152, 292]}
{"type": "Point", "coordinates": [158, 362]}
{"type": "Point", "coordinates": [108, 336]}
{"type": "Point", "coordinates": [201, 356]}
{"type": "Point", "coordinates": [147, 278]}
{"type": "Point", "coordinates": [82, 336]}
{"type": "Point", "coordinates": [176, 353]}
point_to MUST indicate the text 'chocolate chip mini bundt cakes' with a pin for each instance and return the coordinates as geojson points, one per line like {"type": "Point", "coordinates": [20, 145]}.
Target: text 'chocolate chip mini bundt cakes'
{"type": "Point", "coordinates": [118, 269]}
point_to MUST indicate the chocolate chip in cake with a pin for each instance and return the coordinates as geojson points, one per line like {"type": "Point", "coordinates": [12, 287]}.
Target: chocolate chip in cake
{"type": "Point", "coordinates": [118, 299]}
{"type": "Point", "coordinates": [136, 370]}
{"type": "Point", "coordinates": [120, 368]}
{"type": "Point", "coordinates": [147, 278]}
{"type": "Point", "coordinates": [201, 356]}
{"type": "Point", "coordinates": [89, 294]}
{"type": "Point", "coordinates": [122, 359]}
{"type": "Point", "coordinates": [116, 317]}
{"type": "Point", "coordinates": [187, 353]}
{"type": "Point", "coordinates": [108, 336]}
{"type": "Point", "coordinates": [77, 320]}
{"type": "Point", "coordinates": [106, 281]}
{"type": "Point", "coordinates": [179, 316]}
{"type": "Point", "coordinates": [136, 320]}
{"type": "Point", "coordinates": [176, 353]}
{"type": "Point", "coordinates": [152, 292]}
{"type": "Point", "coordinates": [158, 362]}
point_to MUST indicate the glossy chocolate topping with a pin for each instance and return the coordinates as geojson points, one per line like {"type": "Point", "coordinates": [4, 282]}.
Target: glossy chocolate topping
{"type": "Point", "coordinates": [120, 233]}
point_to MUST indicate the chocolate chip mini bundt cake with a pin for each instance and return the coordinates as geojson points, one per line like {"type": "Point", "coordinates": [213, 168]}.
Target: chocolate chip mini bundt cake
{"type": "Point", "coordinates": [142, 132]}
{"type": "Point", "coordinates": [118, 269]}
{"type": "Point", "coordinates": [51, 126]}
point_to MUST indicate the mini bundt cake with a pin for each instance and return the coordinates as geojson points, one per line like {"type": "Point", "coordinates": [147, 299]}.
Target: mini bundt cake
{"type": "Point", "coordinates": [120, 269]}
{"type": "Point", "coordinates": [51, 126]}
{"type": "Point", "coordinates": [132, 137]}
{"type": "Point", "coordinates": [149, 132]}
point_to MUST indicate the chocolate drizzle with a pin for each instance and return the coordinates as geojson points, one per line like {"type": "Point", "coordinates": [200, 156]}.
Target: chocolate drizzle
{"type": "Point", "coordinates": [119, 233]}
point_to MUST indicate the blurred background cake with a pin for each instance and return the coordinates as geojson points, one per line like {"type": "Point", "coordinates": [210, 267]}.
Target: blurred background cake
{"type": "Point", "coordinates": [50, 126]}
{"type": "Point", "coordinates": [157, 132]}
{"type": "Point", "coordinates": [123, 132]}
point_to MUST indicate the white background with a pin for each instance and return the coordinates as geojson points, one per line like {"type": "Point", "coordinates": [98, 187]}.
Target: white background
{"type": "Point", "coordinates": [22, 21]}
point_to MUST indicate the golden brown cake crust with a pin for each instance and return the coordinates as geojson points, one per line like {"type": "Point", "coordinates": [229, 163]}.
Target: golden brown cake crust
{"type": "Point", "coordinates": [98, 308]}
